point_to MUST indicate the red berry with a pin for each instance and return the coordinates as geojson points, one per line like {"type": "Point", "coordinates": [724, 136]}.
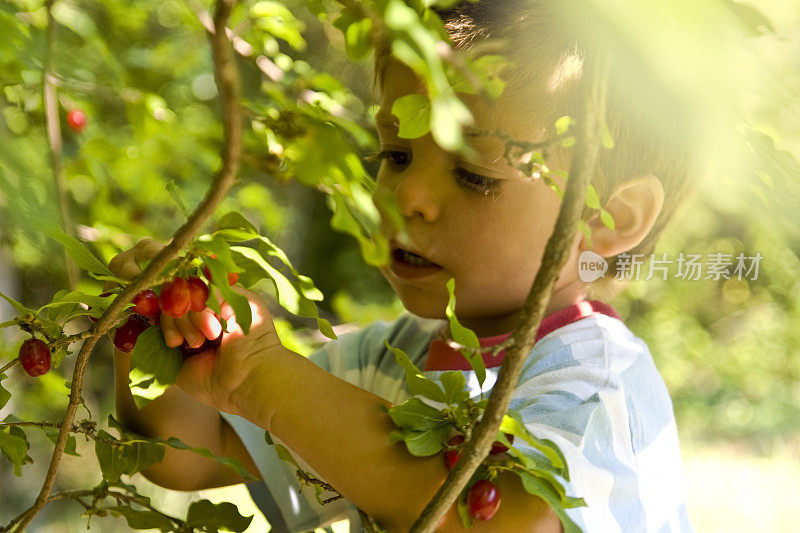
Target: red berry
{"type": "Point", "coordinates": [35, 357]}
{"type": "Point", "coordinates": [175, 298]}
{"type": "Point", "coordinates": [126, 335]}
{"type": "Point", "coordinates": [76, 119]}
{"type": "Point", "coordinates": [146, 304]}
{"type": "Point", "coordinates": [483, 500]}
{"type": "Point", "coordinates": [499, 447]}
{"type": "Point", "coordinates": [198, 294]}
{"type": "Point", "coordinates": [453, 451]}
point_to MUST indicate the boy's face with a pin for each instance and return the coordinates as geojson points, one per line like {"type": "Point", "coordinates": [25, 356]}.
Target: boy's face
{"type": "Point", "coordinates": [478, 221]}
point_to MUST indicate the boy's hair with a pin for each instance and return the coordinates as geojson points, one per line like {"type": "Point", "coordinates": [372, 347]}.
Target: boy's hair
{"type": "Point", "coordinates": [649, 124]}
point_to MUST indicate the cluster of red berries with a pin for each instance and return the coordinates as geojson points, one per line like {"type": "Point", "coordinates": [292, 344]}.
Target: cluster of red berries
{"type": "Point", "coordinates": [483, 498]}
{"type": "Point", "coordinates": [177, 297]}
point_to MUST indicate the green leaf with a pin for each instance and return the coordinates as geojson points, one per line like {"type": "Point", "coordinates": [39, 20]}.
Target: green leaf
{"type": "Point", "coordinates": [464, 336]}
{"type": "Point", "coordinates": [14, 446]}
{"type": "Point", "coordinates": [414, 414]}
{"type": "Point", "coordinates": [607, 219]}
{"type": "Point", "coordinates": [606, 138]}
{"type": "Point", "coordinates": [448, 115]}
{"type": "Point", "coordinates": [374, 247]}
{"type": "Point", "coordinates": [5, 395]}
{"type": "Point", "coordinates": [357, 39]}
{"type": "Point", "coordinates": [514, 426]}
{"type": "Point", "coordinates": [154, 366]}
{"type": "Point", "coordinates": [413, 111]}
{"type": "Point", "coordinates": [423, 443]}
{"type": "Point", "coordinates": [97, 303]}
{"type": "Point", "coordinates": [235, 220]}
{"type": "Point", "coordinates": [289, 296]}
{"type": "Point", "coordinates": [21, 309]}
{"type": "Point", "coordinates": [591, 198]}
{"type": "Point", "coordinates": [541, 468]}
{"type": "Point", "coordinates": [563, 124]}
{"type": "Point", "coordinates": [463, 510]}
{"type": "Point", "coordinates": [219, 268]}
{"type": "Point", "coordinates": [454, 384]}
{"type": "Point", "coordinates": [175, 194]}
{"type": "Point", "coordinates": [70, 447]}
{"type": "Point", "coordinates": [142, 519]}
{"type": "Point", "coordinates": [487, 68]}
{"type": "Point", "coordinates": [207, 516]}
{"type": "Point", "coordinates": [544, 490]}
{"type": "Point", "coordinates": [76, 250]}
{"type": "Point", "coordinates": [284, 455]}
{"type": "Point", "coordinates": [125, 456]}
{"type": "Point", "coordinates": [417, 383]}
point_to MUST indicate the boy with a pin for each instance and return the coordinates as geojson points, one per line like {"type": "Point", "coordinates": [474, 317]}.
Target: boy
{"type": "Point", "coordinates": [589, 384]}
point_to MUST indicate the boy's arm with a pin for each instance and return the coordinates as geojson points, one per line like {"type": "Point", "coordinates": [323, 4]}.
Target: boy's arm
{"type": "Point", "coordinates": [176, 414]}
{"type": "Point", "coordinates": [343, 433]}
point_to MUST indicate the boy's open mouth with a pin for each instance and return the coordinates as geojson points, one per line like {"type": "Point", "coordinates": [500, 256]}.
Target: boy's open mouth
{"type": "Point", "coordinates": [410, 258]}
{"type": "Point", "coordinates": [407, 264]}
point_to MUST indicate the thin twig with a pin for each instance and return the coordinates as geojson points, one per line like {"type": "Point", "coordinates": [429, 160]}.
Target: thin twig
{"type": "Point", "coordinates": [9, 365]}
{"type": "Point", "coordinates": [476, 448]}
{"type": "Point", "coordinates": [227, 78]}
{"type": "Point", "coordinates": [55, 141]}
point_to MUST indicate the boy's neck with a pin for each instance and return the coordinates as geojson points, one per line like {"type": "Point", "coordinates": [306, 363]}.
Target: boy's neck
{"type": "Point", "coordinates": [492, 326]}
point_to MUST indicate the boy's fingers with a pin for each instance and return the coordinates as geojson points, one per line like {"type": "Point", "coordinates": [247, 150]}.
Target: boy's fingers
{"type": "Point", "coordinates": [129, 270]}
{"type": "Point", "coordinates": [147, 249]}
{"type": "Point", "coordinates": [172, 337]}
{"type": "Point", "coordinates": [226, 311]}
{"type": "Point", "coordinates": [193, 336]}
{"type": "Point", "coordinates": [207, 323]}
{"type": "Point", "coordinates": [127, 264]}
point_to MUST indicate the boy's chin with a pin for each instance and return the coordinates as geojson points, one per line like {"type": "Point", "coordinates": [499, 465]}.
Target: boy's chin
{"type": "Point", "coordinates": [424, 308]}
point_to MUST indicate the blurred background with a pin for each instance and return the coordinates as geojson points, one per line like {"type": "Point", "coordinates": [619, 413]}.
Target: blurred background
{"type": "Point", "coordinates": [728, 348]}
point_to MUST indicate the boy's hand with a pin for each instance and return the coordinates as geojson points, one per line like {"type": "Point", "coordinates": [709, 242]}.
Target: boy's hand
{"type": "Point", "coordinates": [214, 375]}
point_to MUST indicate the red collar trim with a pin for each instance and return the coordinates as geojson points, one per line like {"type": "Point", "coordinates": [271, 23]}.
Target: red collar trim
{"type": "Point", "coordinates": [441, 356]}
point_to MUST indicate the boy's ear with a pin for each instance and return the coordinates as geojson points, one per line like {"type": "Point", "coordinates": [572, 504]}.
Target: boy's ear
{"type": "Point", "coordinates": [634, 205]}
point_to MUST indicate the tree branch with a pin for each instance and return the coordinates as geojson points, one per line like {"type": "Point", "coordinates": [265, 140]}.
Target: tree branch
{"type": "Point", "coordinates": [590, 119]}
{"type": "Point", "coordinates": [55, 141]}
{"type": "Point", "coordinates": [227, 78]}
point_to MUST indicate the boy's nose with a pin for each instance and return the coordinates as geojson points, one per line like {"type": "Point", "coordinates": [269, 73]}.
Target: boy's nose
{"type": "Point", "coordinates": [417, 195]}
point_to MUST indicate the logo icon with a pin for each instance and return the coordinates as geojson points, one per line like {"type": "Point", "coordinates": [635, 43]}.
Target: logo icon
{"type": "Point", "coordinates": [591, 266]}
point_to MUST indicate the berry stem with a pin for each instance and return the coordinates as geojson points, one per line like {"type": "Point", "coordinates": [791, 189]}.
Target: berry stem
{"type": "Point", "coordinates": [9, 365]}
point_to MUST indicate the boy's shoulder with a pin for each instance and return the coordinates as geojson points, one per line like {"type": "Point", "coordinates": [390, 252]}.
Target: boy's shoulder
{"type": "Point", "coordinates": [597, 340]}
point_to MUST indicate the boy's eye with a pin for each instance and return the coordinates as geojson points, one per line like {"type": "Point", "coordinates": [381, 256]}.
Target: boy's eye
{"type": "Point", "coordinates": [396, 158]}
{"type": "Point", "coordinates": [477, 182]}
